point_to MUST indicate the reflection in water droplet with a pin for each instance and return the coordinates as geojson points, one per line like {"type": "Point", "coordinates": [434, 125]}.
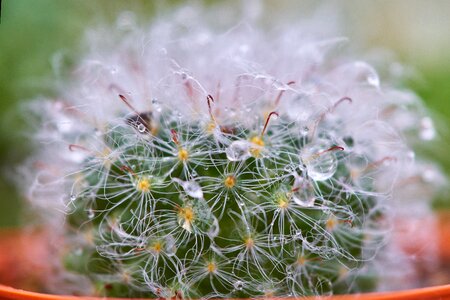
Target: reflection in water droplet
{"type": "Point", "coordinates": [141, 128]}
{"type": "Point", "coordinates": [126, 20]}
{"type": "Point", "coordinates": [320, 163]}
{"type": "Point", "coordinates": [364, 71]}
{"type": "Point", "coordinates": [191, 188]}
{"type": "Point", "coordinates": [427, 131]}
{"type": "Point", "coordinates": [238, 285]}
{"type": "Point", "coordinates": [238, 150]}
{"type": "Point", "coordinates": [303, 192]}
{"type": "Point", "coordinates": [170, 248]}
{"type": "Point", "coordinates": [304, 130]}
{"type": "Point", "coordinates": [373, 80]}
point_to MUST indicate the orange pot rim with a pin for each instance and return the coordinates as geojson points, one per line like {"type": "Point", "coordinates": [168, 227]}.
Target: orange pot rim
{"type": "Point", "coordinates": [429, 293]}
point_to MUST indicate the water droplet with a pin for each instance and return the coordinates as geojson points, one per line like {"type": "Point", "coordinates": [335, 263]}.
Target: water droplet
{"type": "Point", "coordinates": [194, 173]}
{"type": "Point", "coordinates": [179, 115]}
{"type": "Point", "coordinates": [429, 175]}
{"type": "Point", "coordinates": [238, 285]}
{"type": "Point", "coordinates": [214, 230]}
{"type": "Point", "coordinates": [364, 72]}
{"type": "Point", "coordinates": [163, 51]}
{"type": "Point", "coordinates": [373, 80]}
{"type": "Point", "coordinates": [238, 150]}
{"type": "Point", "coordinates": [206, 168]}
{"type": "Point", "coordinates": [73, 197]}
{"type": "Point", "coordinates": [321, 163]}
{"type": "Point", "coordinates": [288, 169]}
{"type": "Point", "coordinates": [427, 131]}
{"type": "Point", "coordinates": [357, 162]}
{"type": "Point", "coordinates": [141, 128]}
{"type": "Point", "coordinates": [113, 70]}
{"type": "Point", "coordinates": [126, 20]}
{"type": "Point", "coordinates": [240, 257]}
{"type": "Point", "coordinates": [97, 132]}
{"type": "Point", "coordinates": [304, 192]}
{"type": "Point", "coordinates": [90, 213]}
{"type": "Point", "coordinates": [304, 130]}
{"type": "Point", "coordinates": [191, 188]}
{"type": "Point", "coordinates": [170, 248]}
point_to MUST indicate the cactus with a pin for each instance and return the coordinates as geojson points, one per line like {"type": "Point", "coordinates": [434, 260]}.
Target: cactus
{"type": "Point", "coordinates": [237, 165]}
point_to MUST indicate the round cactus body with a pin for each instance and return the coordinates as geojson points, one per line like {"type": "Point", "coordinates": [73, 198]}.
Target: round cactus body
{"type": "Point", "coordinates": [195, 164]}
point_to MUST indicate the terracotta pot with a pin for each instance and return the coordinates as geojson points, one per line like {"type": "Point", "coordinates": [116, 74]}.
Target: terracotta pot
{"type": "Point", "coordinates": [25, 269]}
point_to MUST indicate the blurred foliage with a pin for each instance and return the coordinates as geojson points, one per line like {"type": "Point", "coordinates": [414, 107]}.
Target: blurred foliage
{"type": "Point", "coordinates": [434, 89]}
{"type": "Point", "coordinates": [34, 33]}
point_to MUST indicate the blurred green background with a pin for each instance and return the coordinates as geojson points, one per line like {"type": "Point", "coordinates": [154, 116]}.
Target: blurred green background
{"type": "Point", "coordinates": [37, 35]}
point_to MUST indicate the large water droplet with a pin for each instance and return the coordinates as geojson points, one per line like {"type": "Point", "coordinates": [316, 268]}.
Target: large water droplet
{"type": "Point", "coordinates": [303, 192]}
{"type": "Point", "coordinates": [238, 150]}
{"type": "Point", "coordinates": [320, 162]}
{"type": "Point", "coordinates": [191, 188]}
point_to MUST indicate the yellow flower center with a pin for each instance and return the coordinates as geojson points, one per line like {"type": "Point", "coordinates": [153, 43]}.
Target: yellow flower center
{"type": "Point", "coordinates": [301, 260]}
{"type": "Point", "coordinates": [331, 223]}
{"type": "Point", "coordinates": [143, 185]}
{"type": "Point", "coordinates": [283, 203]}
{"type": "Point", "coordinates": [211, 126]}
{"type": "Point", "coordinates": [186, 216]}
{"type": "Point", "coordinates": [211, 267]}
{"type": "Point", "coordinates": [156, 247]}
{"type": "Point", "coordinates": [249, 242]}
{"type": "Point", "coordinates": [258, 144]}
{"type": "Point", "coordinates": [230, 181]}
{"type": "Point", "coordinates": [183, 154]}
